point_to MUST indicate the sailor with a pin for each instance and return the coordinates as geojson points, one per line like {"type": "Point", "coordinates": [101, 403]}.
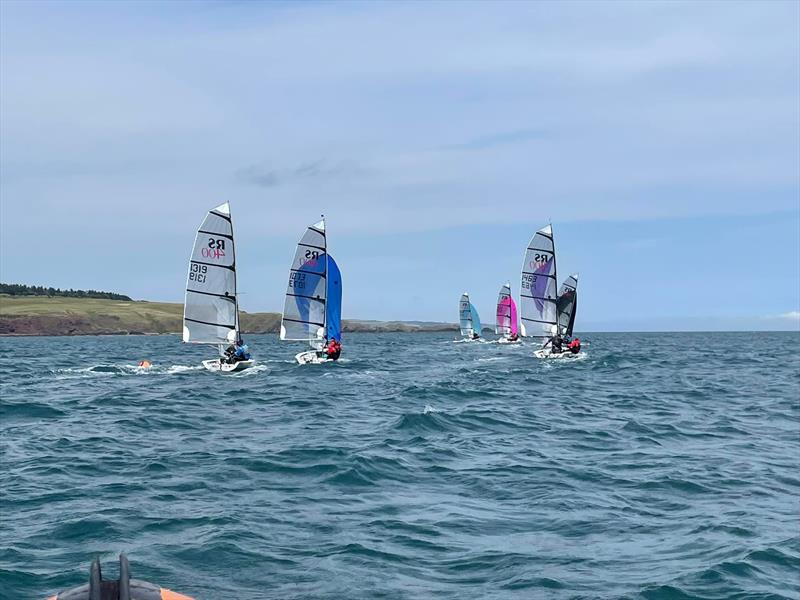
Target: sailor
{"type": "Point", "coordinates": [555, 342]}
{"type": "Point", "coordinates": [475, 335]}
{"type": "Point", "coordinates": [241, 352]}
{"type": "Point", "coordinates": [332, 350]}
{"type": "Point", "coordinates": [237, 352]}
{"type": "Point", "coordinates": [513, 337]}
{"type": "Point", "coordinates": [574, 346]}
{"type": "Point", "coordinates": [230, 352]}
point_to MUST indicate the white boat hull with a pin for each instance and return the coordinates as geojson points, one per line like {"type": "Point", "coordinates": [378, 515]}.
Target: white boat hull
{"type": "Point", "coordinates": [508, 341]}
{"type": "Point", "coordinates": [217, 365]}
{"type": "Point", "coordinates": [310, 358]}
{"type": "Point", "coordinates": [546, 353]}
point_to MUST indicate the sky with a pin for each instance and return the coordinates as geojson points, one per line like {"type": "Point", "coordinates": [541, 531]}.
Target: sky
{"type": "Point", "coordinates": [661, 139]}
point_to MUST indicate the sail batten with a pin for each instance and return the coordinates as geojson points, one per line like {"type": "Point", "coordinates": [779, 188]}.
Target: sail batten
{"type": "Point", "coordinates": [538, 298]}
{"type": "Point", "coordinates": [210, 312]}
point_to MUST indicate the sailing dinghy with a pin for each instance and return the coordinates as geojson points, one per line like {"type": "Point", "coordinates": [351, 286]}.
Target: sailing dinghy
{"type": "Point", "coordinates": [468, 319]}
{"type": "Point", "coordinates": [211, 309]}
{"type": "Point", "coordinates": [312, 308]}
{"type": "Point", "coordinates": [566, 306]}
{"type": "Point", "coordinates": [506, 323]}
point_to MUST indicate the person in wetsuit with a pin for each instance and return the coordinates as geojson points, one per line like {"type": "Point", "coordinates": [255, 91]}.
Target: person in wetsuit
{"type": "Point", "coordinates": [574, 346]}
{"type": "Point", "coordinates": [555, 343]}
{"type": "Point", "coordinates": [237, 352]}
{"type": "Point", "coordinates": [332, 350]}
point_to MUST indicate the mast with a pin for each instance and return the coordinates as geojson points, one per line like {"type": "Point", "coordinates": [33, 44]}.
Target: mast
{"type": "Point", "coordinates": [235, 281]}
{"type": "Point", "coordinates": [555, 274]}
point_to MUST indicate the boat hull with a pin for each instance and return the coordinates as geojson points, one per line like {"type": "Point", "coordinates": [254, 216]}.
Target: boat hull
{"type": "Point", "coordinates": [310, 358]}
{"type": "Point", "coordinates": [546, 353]}
{"type": "Point", "coordinates": [216, 365]}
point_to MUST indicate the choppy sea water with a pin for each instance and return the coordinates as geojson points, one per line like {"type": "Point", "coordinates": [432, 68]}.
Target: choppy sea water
{"type": "Point", "coordinates": [654, 466]}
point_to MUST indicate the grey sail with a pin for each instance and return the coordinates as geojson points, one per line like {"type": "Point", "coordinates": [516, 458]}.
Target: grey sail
{"type": "Point", "coordinates": [304, 311]}
{"type": "Point", "coordinates": [210, 310]}
{"type": "Point", "coordinates": [465, 316]}
{"type": "Point", "coordinates": [567, 304]}
{"type": "Point", "coordinates": [538, 313]}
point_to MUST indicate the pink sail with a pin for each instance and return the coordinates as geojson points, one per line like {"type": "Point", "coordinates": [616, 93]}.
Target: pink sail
{"type": "Point", "coordinates": [506, 323]}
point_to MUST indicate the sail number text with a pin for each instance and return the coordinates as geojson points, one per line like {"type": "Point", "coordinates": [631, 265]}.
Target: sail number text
{"type": "Point", "coordinates": [297, 280]}
{"type": "Point", "coordinates": [527, 281]}
{"type": "Point", "coordinates": [198, 273]}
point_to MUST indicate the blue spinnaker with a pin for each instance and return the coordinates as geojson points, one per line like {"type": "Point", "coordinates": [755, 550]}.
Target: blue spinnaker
{"type": "Point", "coordinates": [333, 310]}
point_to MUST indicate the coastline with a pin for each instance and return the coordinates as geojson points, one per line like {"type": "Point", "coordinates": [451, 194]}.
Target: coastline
{"type": "Point", "coordinates": [23, 316]}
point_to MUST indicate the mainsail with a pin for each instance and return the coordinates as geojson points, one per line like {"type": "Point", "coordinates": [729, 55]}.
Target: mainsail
{"type": "Point", "coordinates": [210, 311]}
{"type": "Point", "coordinates": [567, 304]}
{"type": "Point", "coordinates": [468, 318]}
{"type": "Point", "coordinates": [506, 323]}
{"type": "Point", "coordinates": [538, 290]}
{"type": "Point", "coordinates": [304, 314]}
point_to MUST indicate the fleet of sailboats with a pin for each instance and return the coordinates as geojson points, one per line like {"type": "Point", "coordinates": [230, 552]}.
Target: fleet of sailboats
{"type": "Point", "coordinates": [312, 307]}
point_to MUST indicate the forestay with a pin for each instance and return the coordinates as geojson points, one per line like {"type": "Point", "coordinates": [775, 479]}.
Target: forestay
{"type": "Point", "coordinates": [567, 304]}
{"type": "Point", "coordinates": [210, 312]}
{"type": "Point", "coordinates": [306, 294]}
{"type": "Point", "coordinates": [506, 323]}
{"type": "Point", "coordinates": [538, 288]}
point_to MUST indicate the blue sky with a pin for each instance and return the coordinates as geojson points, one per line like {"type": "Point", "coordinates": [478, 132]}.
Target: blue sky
{"type": "Point", "coordinates": [661, 139]}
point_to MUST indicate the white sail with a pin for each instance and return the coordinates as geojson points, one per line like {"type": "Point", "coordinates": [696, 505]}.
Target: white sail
{"type": "Point", "coordinates": [210, 311]}
{"type": "Point", "coordinates": [538, 314]}
{"type": "Point", "coordinates": [304, 305]}
{"type": "Point", "coordinates": [465, 316]}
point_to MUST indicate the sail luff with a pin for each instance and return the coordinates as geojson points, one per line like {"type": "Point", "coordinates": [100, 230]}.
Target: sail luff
{"type": "Point", "coordinates": [235, 280]}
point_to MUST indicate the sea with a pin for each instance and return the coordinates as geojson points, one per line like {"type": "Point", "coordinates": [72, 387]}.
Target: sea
{"type": "Point", "coordinates": [652, 466]}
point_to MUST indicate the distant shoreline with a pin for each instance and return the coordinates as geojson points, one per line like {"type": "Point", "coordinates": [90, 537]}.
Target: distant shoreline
{"type": "Point", "coordinates": [22, 316]}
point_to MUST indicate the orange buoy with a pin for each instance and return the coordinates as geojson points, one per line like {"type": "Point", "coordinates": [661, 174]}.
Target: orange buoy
{"type": "Point", "coordinates": [145, 364]}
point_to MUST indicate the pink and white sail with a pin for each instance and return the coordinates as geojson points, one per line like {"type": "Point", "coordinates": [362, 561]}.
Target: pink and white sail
{"type": "Point", "coordinates": [506, 323]}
